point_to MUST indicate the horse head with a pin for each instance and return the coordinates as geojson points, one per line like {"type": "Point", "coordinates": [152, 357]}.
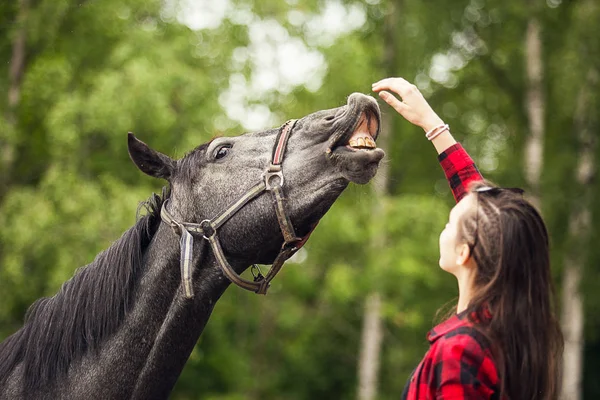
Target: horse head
{"type": "Point", "coordinates": [325, 151]}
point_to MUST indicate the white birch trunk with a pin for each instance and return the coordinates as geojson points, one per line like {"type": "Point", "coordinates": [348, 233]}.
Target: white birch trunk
{"type": "Point", "coordinates": [534, 145]}
{"type": "Point", "coordinates": [579, 230]}
{"type": "Point", "coordinates": [370, 348]}
{"type": "Point", "coordinates": [371, 337]}
{"type": "Point", "coordinates": [372, 330]}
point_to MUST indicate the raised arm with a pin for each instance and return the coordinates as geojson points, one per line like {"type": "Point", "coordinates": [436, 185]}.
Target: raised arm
{"type": "Point", "coordinates": [459, 168]}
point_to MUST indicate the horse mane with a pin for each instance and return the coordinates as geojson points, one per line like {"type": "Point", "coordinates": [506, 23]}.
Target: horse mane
{"type": "Point", "coordinates": [87, 309]}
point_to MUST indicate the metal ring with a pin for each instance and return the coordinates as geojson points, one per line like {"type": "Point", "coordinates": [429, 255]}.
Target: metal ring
{"type": "Point", "coordinates": [208, 230]}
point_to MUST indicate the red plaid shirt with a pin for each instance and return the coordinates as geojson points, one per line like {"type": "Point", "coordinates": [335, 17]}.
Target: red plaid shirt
{"type": "Point", "coordinates": [460, 170]}
{"type": "Point", "coordinates": [459, 363]}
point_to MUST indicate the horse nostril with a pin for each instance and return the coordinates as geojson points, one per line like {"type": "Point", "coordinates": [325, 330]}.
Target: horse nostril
{"type": "Point", "coordinates": [330, 118]}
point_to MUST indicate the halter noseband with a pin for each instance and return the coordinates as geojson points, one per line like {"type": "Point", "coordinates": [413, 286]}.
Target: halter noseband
{"type": "Point", "coordinates": [272, 182]}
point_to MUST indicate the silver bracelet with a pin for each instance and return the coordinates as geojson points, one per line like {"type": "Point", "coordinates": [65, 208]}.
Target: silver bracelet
{"type": "Point", "coordinates": [438, 130]}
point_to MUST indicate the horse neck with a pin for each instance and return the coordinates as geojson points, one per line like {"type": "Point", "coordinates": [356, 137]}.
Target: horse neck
{"type": "Point", "coordinates": [146, 356]}
{"type": "Point", "coordinates": [182, 326]}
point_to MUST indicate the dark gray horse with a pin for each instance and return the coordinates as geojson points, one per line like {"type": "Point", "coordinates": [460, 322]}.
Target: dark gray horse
{"type": "Point", "coordinates": [124, 326]}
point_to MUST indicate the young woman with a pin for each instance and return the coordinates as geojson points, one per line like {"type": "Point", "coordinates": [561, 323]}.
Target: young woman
{"type": "Point", "coordinates": [504, 341]}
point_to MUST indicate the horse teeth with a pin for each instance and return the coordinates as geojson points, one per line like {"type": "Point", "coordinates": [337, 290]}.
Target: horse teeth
{"type": "Point", "coordinates": [362, 142]}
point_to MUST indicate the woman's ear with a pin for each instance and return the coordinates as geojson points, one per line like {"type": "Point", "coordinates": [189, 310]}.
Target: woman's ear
{"type": "Point", "coordinates": [463, 254]}
{"type": "Point", "coordinates": [149, 161]}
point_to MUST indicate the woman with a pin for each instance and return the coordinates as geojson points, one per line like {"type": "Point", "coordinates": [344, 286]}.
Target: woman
{"type": "Point", "coordinates": [503, 341]}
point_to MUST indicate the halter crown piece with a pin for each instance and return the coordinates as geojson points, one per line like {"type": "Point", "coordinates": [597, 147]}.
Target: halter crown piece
{"type": "Point", "coordinates": [272, 181]}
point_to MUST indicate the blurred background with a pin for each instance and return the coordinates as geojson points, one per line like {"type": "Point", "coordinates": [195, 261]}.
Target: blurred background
{"type": "Point", "coordinates": [518, 82]}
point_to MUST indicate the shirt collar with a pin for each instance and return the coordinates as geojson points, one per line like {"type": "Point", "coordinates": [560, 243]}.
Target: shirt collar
{"type": "Point", "coordinates": [448, 325]}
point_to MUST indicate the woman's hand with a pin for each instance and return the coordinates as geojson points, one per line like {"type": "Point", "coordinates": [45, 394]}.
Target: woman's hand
{"type": "Point", "coordinates": [413, 106]}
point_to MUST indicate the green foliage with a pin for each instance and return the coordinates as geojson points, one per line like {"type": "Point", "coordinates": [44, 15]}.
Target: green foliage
{"type": "Point", "coordinates": [95, 70]}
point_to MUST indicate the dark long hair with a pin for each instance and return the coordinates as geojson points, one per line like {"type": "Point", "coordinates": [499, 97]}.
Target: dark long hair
{"type": "Point", "coordinates": [88, 308]}
{"type": "Point", "coordinates": [513, 302]}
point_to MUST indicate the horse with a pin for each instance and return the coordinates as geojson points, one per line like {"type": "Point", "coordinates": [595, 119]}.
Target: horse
{"type": "Point", "coordinates": [123, 326]}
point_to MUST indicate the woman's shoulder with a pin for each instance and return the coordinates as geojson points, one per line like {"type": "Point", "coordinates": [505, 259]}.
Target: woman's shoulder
{"type": "Point", "coordinates": [460, 359]}
{"type": "Point", "coordinates": [459, 337]}
{"type": "Point", "coordinates": [465, 346]}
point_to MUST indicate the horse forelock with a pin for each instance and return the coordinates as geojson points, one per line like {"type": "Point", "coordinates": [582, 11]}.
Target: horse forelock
{"type": "Point", "coordinates": [87, 309]}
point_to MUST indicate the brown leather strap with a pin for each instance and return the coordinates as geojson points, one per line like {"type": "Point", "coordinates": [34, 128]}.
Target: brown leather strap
{"type": "Point", "coordinates": [281, 142]}
{"type": "Point", "coordinates": [285, 253]}
{"type": "Point", "coordinates": [287, 229]}
{"type": "Point", "coordinates": [228, 270]}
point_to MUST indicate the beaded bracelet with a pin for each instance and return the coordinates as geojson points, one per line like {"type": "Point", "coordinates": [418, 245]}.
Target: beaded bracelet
{"type": "Point", "coordinates": [438, 130]}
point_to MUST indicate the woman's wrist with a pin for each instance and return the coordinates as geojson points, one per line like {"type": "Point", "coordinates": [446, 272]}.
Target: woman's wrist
{"type": "Point", "coordinates": [431, 123]}
{"type": "Point", "coordinates": [443, 142]}
{"type": "Point", "coordinates": [438, 133]}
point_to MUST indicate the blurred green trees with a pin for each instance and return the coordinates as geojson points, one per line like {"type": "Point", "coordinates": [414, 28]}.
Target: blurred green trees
{"type": "Point", "coordinates": [91, 71]}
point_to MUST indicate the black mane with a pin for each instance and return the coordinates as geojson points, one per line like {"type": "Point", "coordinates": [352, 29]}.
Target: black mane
{"type": "Point", "coordinates": [87, 309]}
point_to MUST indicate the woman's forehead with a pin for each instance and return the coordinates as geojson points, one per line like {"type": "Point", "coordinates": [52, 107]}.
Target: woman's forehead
{"type": "Point", "coordinates": [465, 204]}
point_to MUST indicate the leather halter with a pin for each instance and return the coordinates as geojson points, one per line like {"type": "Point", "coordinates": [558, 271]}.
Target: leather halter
{"type": "Point", "coordinates": [272, 182]}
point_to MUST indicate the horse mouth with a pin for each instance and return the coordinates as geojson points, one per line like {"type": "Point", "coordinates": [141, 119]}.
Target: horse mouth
{"type": "Point", "coordinates": [362, 121]}
{"type": "Point", "coordinates": [364, 136]}
{"type": "Point", "coordinates": [353, 146]}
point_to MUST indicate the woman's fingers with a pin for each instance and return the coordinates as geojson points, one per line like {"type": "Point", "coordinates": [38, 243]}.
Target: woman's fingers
{"type": "Point", "coordinates": [398, 85]}
{"type": "Point", "coordinates": [413, 106]}
{"type": "Point", "coordinates": [394, 102]}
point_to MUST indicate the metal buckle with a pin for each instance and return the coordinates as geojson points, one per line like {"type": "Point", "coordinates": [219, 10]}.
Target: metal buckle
{"type": "Point", "coordinates": [270, 174]}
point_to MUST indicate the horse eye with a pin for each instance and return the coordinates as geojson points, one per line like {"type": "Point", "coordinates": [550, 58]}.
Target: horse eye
{"type": "Point", "coordinates": [222, 151]}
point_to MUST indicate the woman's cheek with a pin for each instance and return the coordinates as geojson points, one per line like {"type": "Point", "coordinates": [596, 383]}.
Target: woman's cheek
{"type": "Point", "coordinates": [444, 237]}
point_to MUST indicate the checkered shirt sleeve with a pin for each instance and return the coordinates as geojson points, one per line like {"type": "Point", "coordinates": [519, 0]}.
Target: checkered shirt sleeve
{"type": "Point", "coordinates": [460, 170]}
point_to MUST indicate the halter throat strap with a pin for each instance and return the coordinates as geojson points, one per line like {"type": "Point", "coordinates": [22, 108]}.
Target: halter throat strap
{"type": "Point", "coordinates": [272, 181]}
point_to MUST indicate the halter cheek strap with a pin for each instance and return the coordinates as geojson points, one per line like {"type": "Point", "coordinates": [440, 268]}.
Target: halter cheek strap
{"type": "Point", "coordinates": [272, 181]}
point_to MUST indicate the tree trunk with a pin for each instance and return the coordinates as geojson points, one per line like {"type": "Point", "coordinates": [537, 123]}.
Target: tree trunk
{"type": "Point", "coordinates": [16, 69]}
{"type": "Point", "coordinates": [371, 337]}
{"type": "Point", "coordinates": [17, 61]}
{"type": "Point", "coordinates": [579, 233]}
{"type": "Point", "coordinates": [372, 331]}
{"type": "Point", "coordinates": [368, 372]}
{"type": "Point", "coordinates": [534, 143]}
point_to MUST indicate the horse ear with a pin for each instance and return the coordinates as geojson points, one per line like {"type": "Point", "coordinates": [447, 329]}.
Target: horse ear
{"type": "Point", "coordinates": [149, 161]}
